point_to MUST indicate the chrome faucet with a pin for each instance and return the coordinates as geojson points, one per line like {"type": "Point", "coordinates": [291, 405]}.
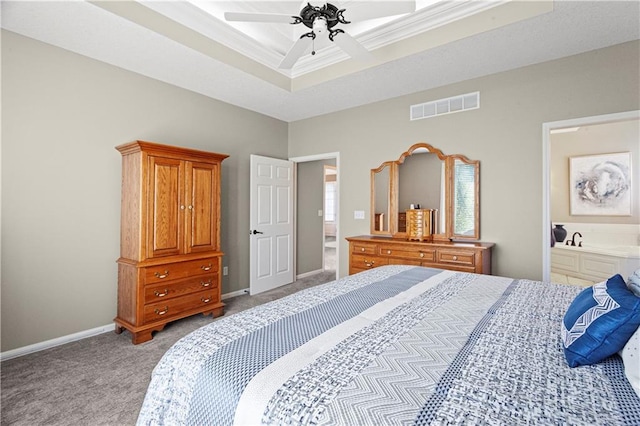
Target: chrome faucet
{"type": "Point", "coordinates": [573, 240]}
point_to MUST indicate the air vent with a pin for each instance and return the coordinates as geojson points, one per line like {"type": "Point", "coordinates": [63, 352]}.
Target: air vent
{"type": "Point", "coordinates": [445, 106]}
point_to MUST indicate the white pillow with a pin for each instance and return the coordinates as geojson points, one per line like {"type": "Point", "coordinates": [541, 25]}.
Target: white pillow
{"type": "Point", "coordinates": [631, 358]}
{"type": "Point", "coordinates": [634, 282]}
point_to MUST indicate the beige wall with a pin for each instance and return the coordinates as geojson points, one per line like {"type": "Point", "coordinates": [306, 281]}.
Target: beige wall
{"type": "Point", "coordinates": [505, 134]}
{"type": "Point", "coordinates": [589, 140]}
{"type": "Point", "coordinates": [62, 116]}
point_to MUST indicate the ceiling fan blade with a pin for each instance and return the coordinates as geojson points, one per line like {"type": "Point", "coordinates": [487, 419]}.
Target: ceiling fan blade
{"type": "Point", "coordinates": [292, 56]}
{"type": "Point", "coordinates": [258, 17]}
{"type": "Point", "coordinates": [352, 47]}
{"type": "Point", "coordinates": [361, 11]}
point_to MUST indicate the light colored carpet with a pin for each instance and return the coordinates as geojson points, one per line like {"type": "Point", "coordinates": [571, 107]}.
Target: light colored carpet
{"type": "Point", "coordinates": [102, 380]}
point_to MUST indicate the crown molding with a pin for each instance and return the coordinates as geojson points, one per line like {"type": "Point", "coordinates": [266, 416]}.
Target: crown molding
{"type": "Point", "coordinates": [201, 21]}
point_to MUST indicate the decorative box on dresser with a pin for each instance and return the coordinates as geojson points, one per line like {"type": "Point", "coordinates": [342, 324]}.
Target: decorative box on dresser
{"type": "Point", "coordinates": [170, 258]}
{"type": "Point", "coordinates": [368, 251]}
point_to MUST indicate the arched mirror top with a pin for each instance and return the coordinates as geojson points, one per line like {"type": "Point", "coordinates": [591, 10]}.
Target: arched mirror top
{"type": "Point", "coordinates": [421, 148]}
{"type": "Point", "coordinates": [382, 167]}
{"type": "Point", "coordinates": [464, 159]}
{"type": "Point", "coordinates": [447, 186]}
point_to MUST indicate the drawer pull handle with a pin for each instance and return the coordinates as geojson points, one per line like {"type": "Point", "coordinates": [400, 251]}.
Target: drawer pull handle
{"type": "Point", "coordinates": [205, 283]}
{"type": "Point", "coordinates": [369, 264]}
{"type": "Point", "coordinates": [207, 300]}
{"type": "Point", "coordinates": [162, 312]}
{"type": "Point", "coordinates": [362, 249]}
{"type": "Point", "coordinates": [161, 276]}
{"type": "Point", "coordinates": [388, 251]}
{"type": "Point", "coordinates": [421, 254]}
{"type": "Point", "coordinates": [455, 257]}
{"type": "Point", "coordinates": [158, 294]}
{"type": "Point", "coordinates": [206, 268]}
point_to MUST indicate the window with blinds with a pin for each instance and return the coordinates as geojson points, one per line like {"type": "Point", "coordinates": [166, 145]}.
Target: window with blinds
{"type": "Point", "coordinates": [330, 201]}
{"type": "Point", "coordinates": [464, 198]}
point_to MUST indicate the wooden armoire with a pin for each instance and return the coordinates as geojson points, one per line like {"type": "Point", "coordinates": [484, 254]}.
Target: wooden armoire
{"type": "Point", "coordinates": [170, 259]}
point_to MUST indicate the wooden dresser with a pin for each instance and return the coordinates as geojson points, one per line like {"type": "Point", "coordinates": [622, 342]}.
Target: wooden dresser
{"type": "Point", "coordinates": [366, 252]}
{"type": "Point", "coordinates": [170, 259]}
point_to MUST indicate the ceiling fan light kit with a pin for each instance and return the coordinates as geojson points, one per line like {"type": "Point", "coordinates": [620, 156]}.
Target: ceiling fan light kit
{"type": "Point", "coordinates": [321, 20]}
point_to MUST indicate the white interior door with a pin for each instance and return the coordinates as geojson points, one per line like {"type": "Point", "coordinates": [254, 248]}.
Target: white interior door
{"type": "Point", "coordinates": [271, 222]}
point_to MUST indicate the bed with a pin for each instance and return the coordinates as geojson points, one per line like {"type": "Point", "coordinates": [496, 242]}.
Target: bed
{"type": "Point", "coordinates": [392, 345]}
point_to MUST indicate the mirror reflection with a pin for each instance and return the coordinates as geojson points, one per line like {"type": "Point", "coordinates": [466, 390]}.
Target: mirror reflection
{"type": "Point", "coordinates": [380, 195]}
{"type": "Point", "coordinates": [464, 198]}
{"type": "Point", "coordinates": [421, 180]}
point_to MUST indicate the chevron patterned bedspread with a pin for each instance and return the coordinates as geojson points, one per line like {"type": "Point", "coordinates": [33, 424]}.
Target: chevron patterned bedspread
{"type": "Point", "coordinates": [392, 345]}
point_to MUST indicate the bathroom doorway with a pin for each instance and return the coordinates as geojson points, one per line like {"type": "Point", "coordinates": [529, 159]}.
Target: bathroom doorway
{"type": "Point", "coordinates": [574, 138]}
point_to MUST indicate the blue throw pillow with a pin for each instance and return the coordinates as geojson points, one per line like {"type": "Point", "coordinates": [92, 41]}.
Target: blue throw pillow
{"type": "Point", "coordinates": [599, 322]}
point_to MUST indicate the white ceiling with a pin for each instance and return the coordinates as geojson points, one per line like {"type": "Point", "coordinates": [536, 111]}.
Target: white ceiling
{"type": "Point", "coordinates": [188, 44]}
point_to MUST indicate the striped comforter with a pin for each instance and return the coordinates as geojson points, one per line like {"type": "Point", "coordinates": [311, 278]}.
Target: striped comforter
{"type": "Point", "coordinates": [393, 345]}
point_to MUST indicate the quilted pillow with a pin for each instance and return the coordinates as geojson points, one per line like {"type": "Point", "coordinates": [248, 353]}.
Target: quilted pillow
{"type": "Point", "coordinates": [599, 322]}
{"type": "Point", "coordinates": [634, 282]}
{"type": "Point", "coordinates": [631, 357]}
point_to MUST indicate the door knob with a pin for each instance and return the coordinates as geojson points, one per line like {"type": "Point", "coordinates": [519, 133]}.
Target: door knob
{"type": "Point", "coordinates": [254, 232]}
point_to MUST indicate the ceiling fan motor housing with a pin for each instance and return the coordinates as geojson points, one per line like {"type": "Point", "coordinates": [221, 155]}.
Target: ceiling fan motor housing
{"type": "Point", "coordinates": [313, 16]}
{"type": "Point", "coordinates": [320, 25]}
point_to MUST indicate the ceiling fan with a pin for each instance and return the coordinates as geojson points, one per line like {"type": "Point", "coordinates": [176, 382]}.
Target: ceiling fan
{"type": "Point", "coordinates": [322, 19]}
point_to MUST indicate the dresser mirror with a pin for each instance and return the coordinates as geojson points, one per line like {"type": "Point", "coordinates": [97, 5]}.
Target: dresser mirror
{"type": "Point", "coordinates": [466, 203]}
{"type": "Point", "coordinates": [425, 178]}
{"type": "Point", "coordinates": [380, 199]}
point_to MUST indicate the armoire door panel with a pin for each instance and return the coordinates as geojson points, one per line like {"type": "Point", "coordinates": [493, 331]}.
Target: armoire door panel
{"type": "Point", "coordinates": [202, 210]}
{"type": "Point", "coordinates": [166, 207]}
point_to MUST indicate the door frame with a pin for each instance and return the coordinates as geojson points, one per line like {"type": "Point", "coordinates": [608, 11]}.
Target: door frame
{"type": "Point", "coordinates": [304, 159]}
{"type": "Point", "coordinates": [546, 172]}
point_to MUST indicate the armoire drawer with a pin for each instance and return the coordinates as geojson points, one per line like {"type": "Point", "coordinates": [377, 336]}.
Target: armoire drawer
{"type": "Point", "coordinates": [173, 271]}
{"type": "Point", "coordinates": [163, 291]}
{"type": "Point", "coordinates": [176, 306]}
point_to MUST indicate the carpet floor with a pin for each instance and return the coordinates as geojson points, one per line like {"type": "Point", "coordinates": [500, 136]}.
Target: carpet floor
{"type": "Point", "coordinates": [102, 380]}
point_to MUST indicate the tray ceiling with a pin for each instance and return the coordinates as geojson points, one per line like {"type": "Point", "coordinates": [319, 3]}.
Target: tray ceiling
{"type": "Point", "coordinates": [190, 45]}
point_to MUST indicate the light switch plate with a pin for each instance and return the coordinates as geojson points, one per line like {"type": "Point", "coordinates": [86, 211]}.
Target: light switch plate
{"type": "Point", "coordinates": [358, 214]}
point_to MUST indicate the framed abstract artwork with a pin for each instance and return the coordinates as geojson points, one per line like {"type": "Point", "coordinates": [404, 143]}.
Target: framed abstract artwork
{"type": "Point", "coordinates": [600, 185]}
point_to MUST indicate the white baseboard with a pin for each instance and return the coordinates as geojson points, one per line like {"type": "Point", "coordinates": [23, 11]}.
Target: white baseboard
{"type": "Point", "coordinates": [47, 344]}
{"type": "Point", "coordinates": [308, 274]}
{"type": "Point", "coordinates": [235, 293]}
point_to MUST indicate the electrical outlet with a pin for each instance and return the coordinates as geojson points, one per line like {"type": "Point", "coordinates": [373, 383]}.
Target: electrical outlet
{"type": "Point", "coordinates": [225, 270]}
